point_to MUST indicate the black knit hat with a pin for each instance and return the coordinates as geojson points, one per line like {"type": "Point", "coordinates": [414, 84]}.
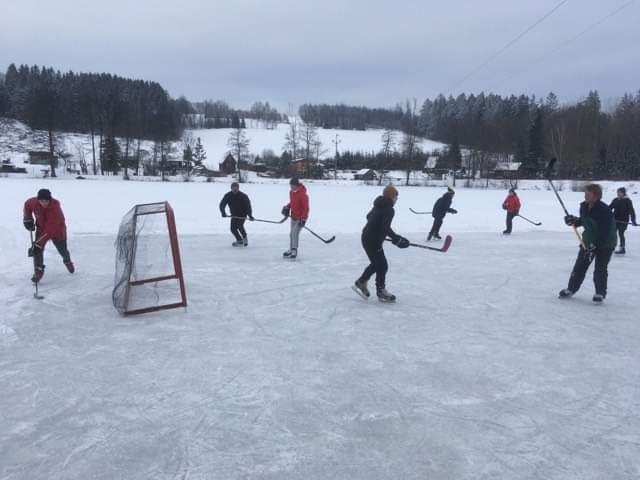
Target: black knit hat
{"type": "Point", "coordinates": [44, 194]}
{"type": "Point", "coordinates": [622, 190]}
{"type": "Point", "coordinates": [294, 181]}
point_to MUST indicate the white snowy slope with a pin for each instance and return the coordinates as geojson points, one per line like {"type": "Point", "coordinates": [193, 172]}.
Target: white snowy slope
{"type": "Point", "coordinates": [277, 370]}
{"type": "Point", "coordinates": [17, 139]}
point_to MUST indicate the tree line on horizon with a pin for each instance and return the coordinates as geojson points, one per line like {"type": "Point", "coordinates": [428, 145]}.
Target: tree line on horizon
{"type": "Point", "coordinates": [588, 141]}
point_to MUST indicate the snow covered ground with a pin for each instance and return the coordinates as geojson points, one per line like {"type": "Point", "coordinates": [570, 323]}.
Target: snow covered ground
{"type": "Point", "coordinates": [278, 370]}
{"type": "Point", "coordinates": [17, 139]}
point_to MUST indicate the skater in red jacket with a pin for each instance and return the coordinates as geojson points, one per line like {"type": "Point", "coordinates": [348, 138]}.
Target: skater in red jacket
{"type": "Point", "coordinates": [512, 205]}
{"type": "Point", "coordinates": [298, 210]}
{"type": "Point", "coordinates": [49, 224]}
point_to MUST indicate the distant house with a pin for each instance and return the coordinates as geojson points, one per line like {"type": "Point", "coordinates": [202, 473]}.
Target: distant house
{"type": "Point", "coordinates": [228, 166]}
{"type": "Point", "coordinates": [365, 174]}
{"type": "Point", "coordinates": [300, 166]}
{"type": "Point", "coordinates": [257, 167]}
{"type": "Point", "coordinates": [175, 166]}
{"type": "Point", "coordinates": [506, 170]}
{"type": "Point", "coordinates": [8, 167]}
{"type": "Point", "coordinates": [432, 168]}
{"type": "Point", "coordinates": [42, 157]}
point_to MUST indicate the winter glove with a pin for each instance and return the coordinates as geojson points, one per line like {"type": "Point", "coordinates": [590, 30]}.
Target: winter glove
{"type": "Point", "coordinates": [400, 242]}
{"type": "Point", "coordinates": [224, 214]}
{"type": "Point", "coordinates": [453, 210]}
{"type": "Point", "coordinates": [572, 220]}
{"type": "Point", "coordinates": [302, 223]}
{"type": "Point", "coordinates": [633, 222]}
{"type": "Point", "coordinates": [251, 218]}
{"type": "Point", "coordinates": [29, 224]}
{"type": "Point", "coordinates": [34, 250]}
{"type": "Point", "coordinates": [403, 243]}
{"type": "Point", "coordinates": [504, 206]}
{"type": "Point", "coordinates": [286, 210]}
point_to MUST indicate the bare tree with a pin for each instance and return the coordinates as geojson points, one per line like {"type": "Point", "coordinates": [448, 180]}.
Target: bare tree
{"type": "Point", "coordinates": [308, 136]}
{"type": "Point", "coordinates": [239, 145]}
{"type": "Point", "coordinates": [388, 142]}
{"type": "Point", "coordinates": [410, 141]}
{"type": "Point", "coordinates": [291, 140]}
{"type": "Point", "coordinates": [187, 143]}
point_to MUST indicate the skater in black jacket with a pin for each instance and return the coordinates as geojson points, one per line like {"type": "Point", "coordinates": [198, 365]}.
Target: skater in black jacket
{"type": "Point", "coordinates": [440, 209]}
{"type": "Point", "coordinates": [374, 233]}
{"type": "Point", "coordinates": [240, 208]}
{"type": "Point", "coordinates": [622, 211]}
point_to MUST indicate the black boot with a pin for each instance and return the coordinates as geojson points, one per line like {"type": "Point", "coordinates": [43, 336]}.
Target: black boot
{"type": "Point", "coordinates": [384, 295]}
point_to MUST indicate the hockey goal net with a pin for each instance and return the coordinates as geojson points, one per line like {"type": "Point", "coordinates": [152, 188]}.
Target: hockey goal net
{"type": "Point", "coordinates": [148, 267]}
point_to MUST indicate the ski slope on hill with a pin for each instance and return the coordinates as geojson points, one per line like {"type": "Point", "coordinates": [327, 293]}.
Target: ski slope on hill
{"type": "Point", "coordinates": [277, 370]}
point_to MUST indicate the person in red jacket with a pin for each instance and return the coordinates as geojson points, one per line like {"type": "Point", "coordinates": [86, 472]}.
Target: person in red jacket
{"type": "Point", "coordinates": [49, 224]}
{"type": "Point", "coordinates": [512, 205]}
{"type": "Point", "coordinates": [298, 210]}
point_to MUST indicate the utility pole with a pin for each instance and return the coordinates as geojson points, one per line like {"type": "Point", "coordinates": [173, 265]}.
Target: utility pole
{"type": "Point", "coordinates": [336, 141]}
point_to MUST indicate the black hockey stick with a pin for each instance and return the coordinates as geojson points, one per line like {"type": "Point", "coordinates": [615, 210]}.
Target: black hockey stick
{"type": "Point", "coordinates": [547, 174]}
{"type": "Point", "coordinates": [325, 240]}
{"type": "Point", "coordinates": [35, 295]}
{"type": "Point", "coordinates": [628, 223]}
{"type": "Point", "coordinates": [445, 246]}
{"type": "Point", "coordinates": [262, 220]}
{"type": "Point", "coordinates": [537, 224]}
{"type": "Point", "coordinates": [418, 213]}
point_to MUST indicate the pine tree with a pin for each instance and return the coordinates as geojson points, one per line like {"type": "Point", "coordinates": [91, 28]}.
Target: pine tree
{"type": "Point", "coordinates": [535, 152]}
{"type": "Point", "coordinates": [199, 156]}
{"type": "Point", "coordinates": [110, 155]}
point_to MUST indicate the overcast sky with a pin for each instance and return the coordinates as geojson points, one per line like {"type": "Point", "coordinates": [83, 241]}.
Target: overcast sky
{"type": "Point", "coordinates": [364, 52]}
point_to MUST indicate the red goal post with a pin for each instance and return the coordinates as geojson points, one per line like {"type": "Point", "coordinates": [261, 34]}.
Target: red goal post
{"type": "Point", "coordinates": [149, 273]}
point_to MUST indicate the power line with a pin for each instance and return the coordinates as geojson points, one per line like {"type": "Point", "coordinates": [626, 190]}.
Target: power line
{"type": "Point", "coordinates": [511, 42]}
{"type": "Point", "coordinates": [593, 25]}
{"type": "Point", "coordinates": [575, 37]}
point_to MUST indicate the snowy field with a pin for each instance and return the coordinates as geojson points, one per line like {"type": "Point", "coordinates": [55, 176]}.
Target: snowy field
{"type": "Point", "coordinates": [16, 139]}
{"type": "Point", "coordinates": [277, 370]}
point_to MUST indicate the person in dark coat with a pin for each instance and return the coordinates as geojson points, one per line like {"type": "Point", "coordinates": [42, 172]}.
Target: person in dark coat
{"type": "Point", "coordinates": [440, 209]}
{"type": "Point", "coordinates": [623, 211]}
{"type": "Point", "coordinates": [374, 233]}
{"type": "Point", "coordinates": [240, 208]}
{"type": "Point", "coordinates": [598, 242]}
{"type": "Point", "coordinates": [49, 224]}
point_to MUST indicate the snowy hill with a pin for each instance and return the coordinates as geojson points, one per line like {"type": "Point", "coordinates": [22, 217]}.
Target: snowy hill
{"type": "Point", "coordinates": [278, 370]}
{"type": "Point", "coordinates": [16, 139]}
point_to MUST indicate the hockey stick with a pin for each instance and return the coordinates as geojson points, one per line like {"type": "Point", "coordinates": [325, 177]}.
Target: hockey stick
{"type": "Point", "coordinates": [537, 224]}
{"type": "Point", "coordinates": [628, 223]}
{"type": "Point", "coordinates": [445, 246]}
{"type": "Point", "coordinates": [327, 240]}
{"type": "Point", "coordinates": [262, 220]}
{"type": "Point", "coordinates": [547, 174]}
{"type": "Point", "coordinates": [35, 295]}
{"type": "Point", "coordinates": [418, 213]}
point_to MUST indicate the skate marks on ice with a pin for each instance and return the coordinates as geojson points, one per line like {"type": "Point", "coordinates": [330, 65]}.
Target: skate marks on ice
{"type": "Point", "coordinates": [277, 370]}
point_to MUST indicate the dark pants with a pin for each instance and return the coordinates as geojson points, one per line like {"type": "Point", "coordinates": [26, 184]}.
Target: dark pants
{"type": "Point", "coordinates": [510, 216]}
{"type": "Point", "coordinates": [378, 264]}
{"type": "Point", "coordinates": [622, 227]}
{"type": "Point", "coordinates": [61, 246]}
{"type": "Point", "coordinates": [237, 229]}
{"type": "Point", "coordinates": [602, 257]}
{"type": "Point", "coordinates": [435, 228]}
